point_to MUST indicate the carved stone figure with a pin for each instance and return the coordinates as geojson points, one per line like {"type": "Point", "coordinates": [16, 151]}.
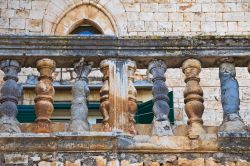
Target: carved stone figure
{"type": "Point", "coordinates": [104, 95]}
{"type": "Point", "coordinates": [230, 97]}
{"type": "Point", "coordinates": [80, 92]}
{"type": "Point", "coordinates": [132, 93]}
{"type": "Point", "coordinates": [161, 123]}
{"type": "Point", "coordinates": [9, 96]}
{"type": "Point", "coordinates": [193, 95]}
{"type": "Point", "coordinates": [44, 96]}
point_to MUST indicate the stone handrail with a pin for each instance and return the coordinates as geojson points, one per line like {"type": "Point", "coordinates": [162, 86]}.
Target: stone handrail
{"type": "Point", "coordinates": [66, 50]}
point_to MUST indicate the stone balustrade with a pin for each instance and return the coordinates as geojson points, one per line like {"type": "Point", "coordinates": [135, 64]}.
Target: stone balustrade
{"type": "Point", "coordinates": [118, 94]}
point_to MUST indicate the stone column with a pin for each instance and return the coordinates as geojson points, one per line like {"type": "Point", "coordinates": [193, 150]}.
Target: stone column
{"type": "Point", "coordinates": [132, 93]}
{"type": "Point", "coordinates": [230, 97]}
{"type": "Point", "coordinates": [115, 108]}
{"type": "Point", "coordinates": [104, 95]}
{"type": "Point", "coordinates": [161, 123]}
{"type": "Point", "coordinates": [80, 92]}
{"type": "Point", "coordinates": [44, 96]}
{"type": "Point", "coordinates": [193, 95]}
{"type": "Point", "coordinates": [9, 96]}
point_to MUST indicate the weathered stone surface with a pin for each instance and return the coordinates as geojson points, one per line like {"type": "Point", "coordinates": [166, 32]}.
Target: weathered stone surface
{"type": "Point", "coordinates": [44, 96]}
{"type": "Point", "coordinates": [186, 162]}
{"type": "Point", "coordinates": [161, 123]}
{"type": "Point", "coordinates": [230, 98]}
{"type": "Point", "coordinates": [15, 159]}
{"type": "Point", "coordinates": [242, 163]}
{"type": "Point", "coordinates": [10, 93]}
{"type": "Point", "coordinates": [65, 50]}
{"type": "Point", "coordinates": [80, 91]}
{"type": "Point", "coordinates": [193, 94]}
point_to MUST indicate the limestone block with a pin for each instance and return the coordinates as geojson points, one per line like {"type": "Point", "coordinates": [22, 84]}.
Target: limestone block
{"type": "Point", "coordinates": [149, 7]}
{"type": "Point", "coordinates": [17, 23]}
{"type": "Point", "coordinates": [242, 163]}
{"type": "Point", "coordinates": [36, 14]}
{"type": "Point", "coordinates": [21, 13]}
{"type": "Point", "coordinates": [13, 4]}
{"type": "Point", "coordinates": [229, 164]}
{"type": "Point", "coordinates": [175, 16]}
{"type": "Point", "coordinates": [135, 7]}
{"type": "Point", "coordinates": [233, 16]}
{"type": "Point", "coordinates": [113, 163]}
{"type": "Point", "coordinates": [4, 23]}
{"type": "Point", "coordinates": [161, 16]}
{"type": "Point", "coordinates": [151, 26]}
{"type": "Point", "coordinates": [38, 5]}
{"type": "Point", "coordinates": [100, 161]}
{"type": "Point", "coordinates": [211, 162]}
{"type": "Point", "coordinates": [208, 26]}
{"type": "Point", "coordinates": [125, 163]}
{"type": "Point", "coordinates": [181, 26]}
{"type": "Point", "coordinates": [34, 24]}
{"type": "Point", "coordinates": [186, 162]}
{"type": "Point", "coordinates": [146, 16]}
{"type": "Point", "coordinates": [25, 4]}
{"type": "Point", "coordinates": [165, 26]}
{"type": "Point", "coordinates": [136, 26]}
{"type": "Point", "coordinates": [15, 159]}
{"type": "Point", "coordinates": [167, 7]}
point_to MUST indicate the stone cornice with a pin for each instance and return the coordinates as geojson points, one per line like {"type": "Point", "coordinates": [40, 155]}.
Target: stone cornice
{"type": "Point", "coordinates": [66, 50]}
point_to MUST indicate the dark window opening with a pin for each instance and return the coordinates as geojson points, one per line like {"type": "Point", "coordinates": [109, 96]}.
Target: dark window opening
{"type": "Point", "coordinates": [86, 29]}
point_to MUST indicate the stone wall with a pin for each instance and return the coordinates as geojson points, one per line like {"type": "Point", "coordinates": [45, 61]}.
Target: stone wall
{"type": "Point", "coordinates": [140, 17]}
{"type": "Point", "coordinates": [122, 159]}
{"type": "Point", "coordinates": [128, 17]}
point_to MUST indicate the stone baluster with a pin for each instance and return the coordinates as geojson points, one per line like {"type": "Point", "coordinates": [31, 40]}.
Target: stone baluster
{"type": "Point", "coordinates": [80, 92]}
{"type": "Point", "coordinates": [161, 123]}
{"type": "Point", "coordinates": [44, 96]}
{"type": "Point", "coordinates": [9, 96]}
{"type": "Point", "coordinates": [193, 95]}
{"type": "Point", "coordinates": [132, 93]}
{"type": "Point", "coordinates": [104, 95]}
{"type": "Point", "coordinates": [230, 97]}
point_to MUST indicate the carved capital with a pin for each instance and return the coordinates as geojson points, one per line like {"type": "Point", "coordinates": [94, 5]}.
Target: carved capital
{"type": "Point", "coordinates": [193, 95]}
{"type": "Point", "coordinates": [10, 93]}
{"type": "Point", "coordinates": [230, 97]}
{"type": "Point", "coordinates": [44, 95]}
{"type": "Point", "coordinates": [161, 124]}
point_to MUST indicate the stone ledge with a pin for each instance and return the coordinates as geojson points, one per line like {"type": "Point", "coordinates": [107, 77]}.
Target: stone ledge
{"type": "Point", "coordinates": [65, 50]}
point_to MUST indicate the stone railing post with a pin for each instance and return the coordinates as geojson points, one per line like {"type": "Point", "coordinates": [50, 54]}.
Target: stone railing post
{"type": "Point", "coordinates": [104, 95]}
{"type": "Point", "coordinates": [193, 95]}
{"type": "Point", "coordinates": [44, 96]}
{"type": "Point", "coordinates": [118, 101]}
{"type": "Point", "coordinates": [80, 92]}
{"type": "Point", "coordinates": [132, 93]}
{"type": "Point", "coordinates": [230, 97]}
{"type": "Point", "coordinates": [9, 96]}
{"type": "Point", "coordinates": [161, 123]}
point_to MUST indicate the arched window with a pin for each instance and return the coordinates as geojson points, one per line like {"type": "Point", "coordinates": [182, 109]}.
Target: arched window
{"type": "Point", "coordinates": [86, 29]}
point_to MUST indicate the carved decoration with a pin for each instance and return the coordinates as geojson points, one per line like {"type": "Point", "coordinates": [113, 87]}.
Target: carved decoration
{"type": "Point", "coordinates": [80, 91]}
{"type": "Point", "coordinates": [132, 93]}
{"type": "Point", "coordinates": [193, 95]}
{"type": "Point", "coordinates": [230, 97]}
{"type": "Point", "coordinates": [44, 96]}
{"type": "Point", "coordinates": [161, 123]}
{"type": "Point", "coordinates": [9, 96]}
{"type": "Point", "coordinates": [104, 95]}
